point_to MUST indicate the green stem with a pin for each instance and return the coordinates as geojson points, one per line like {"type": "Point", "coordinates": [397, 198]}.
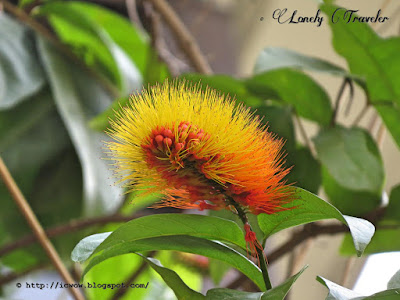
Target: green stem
{"type": "Point", "coordinates": [263, 264]}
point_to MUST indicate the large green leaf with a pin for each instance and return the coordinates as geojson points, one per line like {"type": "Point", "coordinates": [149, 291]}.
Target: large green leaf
{"type": "Point", "coordinates": [120, 29]}
{"type": "Point", "coordinates": [351, 158]}
{"type": "Point", "coordinates": [20, 73]}
{"type": "Point", "coordinates": [310, 208]}
{"type": "Point", "coordinates": [182, 243]}
{"type": "Point", "coordinates": [272, 58]}
{"type": "Point", "coordinates": [392, 294]}
{"type": "Point", "coordinates": [295, 88]}
{"type": "Point", "coordinates": [372, 58]}
{"type": "Point", "coordinates": [181, 290]}
{"type": "Point", "coordinates": [36, 148]}
{"type": "Point", "coordinates": [78, 97]}
{"type": "Point", "coordinates": [162, 225]}
{"type": "Point", "coordinates": [31, 135]}
{"type": "Point", "coordinates": [349, 202]}
{"type": "Point", "coordinates": [177, 224]}
{"type": "Point", "coordinates": [75, 27]}
{"type": "Point", "coordinates": [367, 54]}
{"type": "Point", "coordinates": [337, 292]}
{"type": "Point", "coordinates": [306, 170]}
{"type": "Point", "coordinates": [277, 293]}
{"type": "Point", "coordinates": [155, 231]}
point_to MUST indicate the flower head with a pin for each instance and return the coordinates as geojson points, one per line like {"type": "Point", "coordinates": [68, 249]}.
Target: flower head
{"type": "Point", "coordinates": [199, 149]}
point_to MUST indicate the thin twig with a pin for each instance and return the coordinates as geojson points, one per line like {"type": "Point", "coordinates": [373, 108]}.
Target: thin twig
{"type": "Point", "coordinates": [338, 100]}
{"type": "Point", "coordinates": [305, 136]}
{"type": "Point", "coordinates": [158, 43]}
{"type": "Point", "coordinates": [362, 113]}
{"type": "Point", "coordinates": [380, 137]}
{"type": "Point", "coordinates": [132, 13]}
{"type": "Point", "coordinates": [37, 229]}
{"type": "Point", "coordinates": [72, 226]}
{"type": "Point", "coordinates": [184, 37]}
{"type": "Point", "coordinates": [372, 122]}
{"type": "Point", "coordinates": [42, 30]}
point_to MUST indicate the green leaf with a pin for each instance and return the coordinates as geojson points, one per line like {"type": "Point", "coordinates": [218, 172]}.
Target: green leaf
{"type": "Point", "coordinates": [279, 292]}
{"type": "Point", "coordinates": [75, 27]}
{"type": "Point", "coordinates": [20, 72]}
{"type": "Point", "coordinates": [295, 88]}
{"type": "Point", "coordinates": [272, 58]}
{"type": "Point", "coordinates": [79, 34]}
{"type": "Point", "coordinates": [374, 59]}
{"type": "Point", "coordinates": [163, 225]}
{"type": "Point", "coordinates": [125, 34]}
{"type": "Point", "coordinates": [182, 243]}
{"type": "Point", "coordinates": [367, 54]}
{"type": "Point", "coordinates": [276, 293]}
{"type": "Point", "coordinates": [181, 290]}
{"type": "Point", "coordinates": [176, 224]}
{"type": "Point", "coordinates": [392, 294]}
{"type": "Point", "coordinates": [85, 99]}
{"type": "Point", "coordinates": [166, 227]}
{"type": "Point", "coordinates": [337, 292]}
{"type": "Point", "coordinates": [349, 202]}
{"type": "Point", "coordinates": [129, 75]}
{"type": "Point", "coordinates": [310, 208]}
{"type": "Point", "coordinates": [31, 135]}
{"type": "Point", "coordinates": [61, 179]}
{"type": "Point", "coordinates": [351, 158]}
{"type": "Point", "coordinates": [306, 170]}
{"type": "Point", "coordinates": [84, 249]}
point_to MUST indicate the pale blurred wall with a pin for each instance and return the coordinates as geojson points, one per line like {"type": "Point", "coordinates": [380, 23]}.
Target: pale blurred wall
{"type": "Point", "coordinates": [253, 35]}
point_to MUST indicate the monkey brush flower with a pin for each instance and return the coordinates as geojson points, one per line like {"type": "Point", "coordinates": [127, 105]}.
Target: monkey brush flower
{"type": "Point", "coordinates": [199, 149]}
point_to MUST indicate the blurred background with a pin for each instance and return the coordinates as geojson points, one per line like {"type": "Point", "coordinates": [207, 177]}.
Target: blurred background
{"type": "Point", "coordinates": [64, 67]}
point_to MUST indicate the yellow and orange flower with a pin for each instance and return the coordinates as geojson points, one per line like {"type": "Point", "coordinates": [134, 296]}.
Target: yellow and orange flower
{"type": "Point", "coordinates": [199, 149]}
